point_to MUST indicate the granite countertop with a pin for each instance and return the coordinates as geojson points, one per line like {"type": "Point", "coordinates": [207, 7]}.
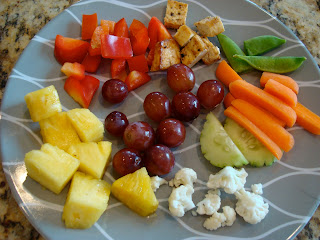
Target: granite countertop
{"type": "Point", "coordinates": [21, 20]}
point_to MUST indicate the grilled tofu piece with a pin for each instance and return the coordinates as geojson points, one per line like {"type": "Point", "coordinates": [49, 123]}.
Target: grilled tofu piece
{"type": "Point", "coordinates": [166, 54]}
{"type": "Point", "coordinates": [210, 26]}
{"type": "Point", "coordinates": [213, 53]}
{"type": "Point", "coordinates": [183, 35]}
{"type": "Point", "coordinates": [193, 52]}
{"type": "Point", "coordinates": [176, 14]}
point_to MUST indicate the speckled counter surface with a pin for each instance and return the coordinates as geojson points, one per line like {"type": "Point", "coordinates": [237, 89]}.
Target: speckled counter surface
{"type": "Point", "coordinates": [21, 20]}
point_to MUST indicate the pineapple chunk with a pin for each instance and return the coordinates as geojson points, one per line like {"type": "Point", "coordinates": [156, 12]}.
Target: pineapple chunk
{"type": "Point", "coordinates": [135, 191]}
{"type": "Point", "coordinates": [87, 125]}
{"type": "Point", "coordinates": [43, 103]}
{"type": "Point", "coordinates": [86, 201]}
{"type": "Point", "coordinates": [51, 167]}
{"type": "Point", "coordinates": [58, 131]}
{"type": "Point", "coordinates": [93, 157]}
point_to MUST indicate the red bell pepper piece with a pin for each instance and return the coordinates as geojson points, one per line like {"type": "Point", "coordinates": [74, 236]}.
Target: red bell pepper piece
{"type": "Point", "coordinates": [136, 79]}
{"type": "Point", "coordinates": [94, 51]}
{"type": "Point", "coordinates": [115, 47]}
{"type": "Point", "coordinates": [96, 37]}
{"type": "Point", "coordinates": [138, 63]}
{"type": "Point", "coordinates": [157, 32]}
{"type": "Point", "coordinates": [109, 24]}
{"type": "Point", "coordinates": [151, 56]}
{"type": "Point", "coordinates": [70, 49]}
{"type": "Point", "coordinates": [75, 70]}
{"type": "Point", "coordinates": [119, 69]}
{"type": "Point", "coordinates": [91, 63]}
{"type": "Point", "coordinates": [139, 37]}
{"type": "Point", "coordinates": [82, 91]}
{"type": "Point", "coordinates": [89, 24]}
{"type": "Point", "coordinates": [121, 28]}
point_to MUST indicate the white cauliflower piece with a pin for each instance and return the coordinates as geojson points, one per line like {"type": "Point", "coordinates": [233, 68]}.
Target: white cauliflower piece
{"type": "Point", "coordinates": [251, 206]}
{"type": "Point", "coordinates": [230, 179]}
{"type": "Point", "coordinates": [185, 176]}
{"type": "Point", "coordinates": [218, 220]}
{"type": "Point", "coordinates": [230, 215]}
{"type": "Point", "coordinates": [210, 204]}
{"type": "Point", "coordinates": [156, 182]}
{"type": "Point", "coordinates": [180, 200]}
{"type": "Point", "coordinates": [257, 188]}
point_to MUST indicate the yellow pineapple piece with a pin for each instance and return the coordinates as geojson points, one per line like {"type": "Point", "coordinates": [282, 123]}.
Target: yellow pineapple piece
{"type": "Point", "coordinates": [43, 103]}
{"type": "Point", "coordinates": [87, 125]}
{"type": "Point", "coordinates": [135, 191]}
{"type": "Point", "coordinates": [52, 167]}
{"type": "Point", "coordinates": [58, 131]}
{"type": "Point", "coordinates": [93, 157]}
{"type": "Point", "coordinates": [86, 201]}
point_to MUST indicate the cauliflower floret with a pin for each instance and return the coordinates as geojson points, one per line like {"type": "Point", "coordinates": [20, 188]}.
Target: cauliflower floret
{"type": "Point", "coordinates": [210, 204]}
{"type": "Point", "coordinates": [218, 220]}
{"type": "Point", "coordinates": [257, 188]}
{"type": "Point", "coordinates": [156, 182]}
{"type": "Point", "coordinates": [180, 200]}
{"type": "Point", "coordinates": [251, 206]}
{"type": "Point", "coordinates": [185, 176]}
{"type": "Point", "coordinates": [230, 179]}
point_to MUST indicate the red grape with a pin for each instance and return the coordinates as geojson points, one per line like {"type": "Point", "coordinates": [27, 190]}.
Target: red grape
{"type": "Point", "coordinates": [115, 123]}
{"type": "Point", "coordinates": [114, 91]}
{"type": "Point", "coordinates": [157, 106]}
{"type": "Point", "coordinates": [127, 161]}
{"type": "Point", "coordinates": [159, 160]}
{"type": "Point", "coordinates": [210, 94]}
{"type": "Point", "coordinates": [171, 132]}
{"type": "Point", "coordinates": [185, 106]}
{"type": "Point", "coordinates": [139, 135]}
{"type": "Point", "coordinates": [180, 78]}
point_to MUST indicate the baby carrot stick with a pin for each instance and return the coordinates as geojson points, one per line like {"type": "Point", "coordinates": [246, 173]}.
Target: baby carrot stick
{"type": "Point", "coordinates": [234, 114]}
{"type": "Point", "coordinates": [228, 99]}
{"type": "Point", "coordinates": [307, 119]}
{"type": "Point", "coordinates": [282, 92]}
{"type": "Point", "coordinates": [285, 80]}
{"type": "Point", "coordinates": [266, 124]}
{"type": "Point", "coordinates": [226, 74]}
{"type": "Point", "coordinates": [246, 91]}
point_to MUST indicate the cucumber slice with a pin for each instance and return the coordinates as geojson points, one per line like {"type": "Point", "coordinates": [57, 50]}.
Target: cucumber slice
{"type": "Point", "coordinates": [217, 146]}
{"type": "Point", "coordinates": [253, 150]}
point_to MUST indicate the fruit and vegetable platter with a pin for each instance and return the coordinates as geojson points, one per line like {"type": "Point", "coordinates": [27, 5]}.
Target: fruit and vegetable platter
{"type": "Point", "coordinates": [163, 120]}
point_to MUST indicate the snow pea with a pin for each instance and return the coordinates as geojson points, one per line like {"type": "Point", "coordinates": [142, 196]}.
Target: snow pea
{"type": "Point", "coordinates": [230, 48]}
{"type": "Point", "coordinates": [262, 44]}
{"type": "Point", "coordinates": [273, 64]}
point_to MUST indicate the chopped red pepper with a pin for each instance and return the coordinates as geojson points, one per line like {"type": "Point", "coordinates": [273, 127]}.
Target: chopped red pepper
{"type": "Point", "coordinates": [82, 91]}
{"type": "Point", "coordinates": [75, 70]}
{"type": "Point", "coordinates": [94, 51]}
{"type": "Point", "coordinates": [121, 28]}
{"type": "Point", "coordinates": [139, 37]}
{"type": "Point", "coordinates": [70, 49]}
{"type": "Point", "coordinates": [115, 47]}
{"type": "Point", "coordinates": [89, 24]}
{"type": "Point", "coordinates": [96, 37]}
{"type": "Point", "coordinates": [138, 63]}
{"type": "Point", "coordinates": [136, 79]}
{"type": "Point", "coordinates": [109, 24]}
{"type": "Point", "coordinates": [91, 63]}
{"type": "Point", "coordinates": [119, 69]}
{"type": "Point", "coordinates": [151, 56]}
{"type": "Point", "coordinates": [157, 32]}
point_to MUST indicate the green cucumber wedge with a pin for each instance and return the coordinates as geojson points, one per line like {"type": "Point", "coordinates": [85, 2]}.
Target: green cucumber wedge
{"type": "Point", "coordinates": [253, 150]}
{"type": "Point", "coordinates": [217, 147]}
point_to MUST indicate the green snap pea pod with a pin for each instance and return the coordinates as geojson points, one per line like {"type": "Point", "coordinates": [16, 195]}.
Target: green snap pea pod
{"type": "Point", "coordinates": [230, 48]}
{"type": "Point", "coordinates": [262, 44]}
{"type": "Point", "coordinates": [273, 64]}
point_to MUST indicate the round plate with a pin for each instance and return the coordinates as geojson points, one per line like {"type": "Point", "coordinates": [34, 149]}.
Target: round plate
{"type": "Point", "coordinates": [288, 184]}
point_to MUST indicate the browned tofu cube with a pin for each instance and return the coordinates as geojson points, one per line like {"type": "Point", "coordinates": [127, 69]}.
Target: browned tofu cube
{"type": "Point", "coordinates": [213, 53]}
{"type": "Point", "coordinates": [176, 14]}
{"type": "Point", "coordinates": [193, 52]}
{"type": "Point", "coordinates": [183, 35]}
{"type": "Point", "coordinates": [210, 26]}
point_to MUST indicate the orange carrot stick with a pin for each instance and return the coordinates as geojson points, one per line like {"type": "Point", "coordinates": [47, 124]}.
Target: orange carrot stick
{"type": "Point", "coordinates": [266, 124]}
{"type": "Point", "coordinates": [285, 80]}
{"type": "Point", "coordinates": [228, 98]}
{"type": "Point", "coordinates": [282, 92]}
{"type": "Point", "coordinates": [234, 114]}
{"type": "Point", "coordinates": [226, 74]}
{"type": "Point", "coordinates": [307, 119]}
{"type": "Point", "coordinates": [246, 91]}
